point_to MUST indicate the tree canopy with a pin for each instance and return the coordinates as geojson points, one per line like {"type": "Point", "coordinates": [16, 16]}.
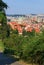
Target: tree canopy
{"type": "Point", "coordinates": [3, 19]}
{"type": "Point", "coordinates": [2, 5]}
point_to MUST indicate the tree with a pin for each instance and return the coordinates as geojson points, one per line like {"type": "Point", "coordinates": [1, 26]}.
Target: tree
{"type": "Point", "coordinates": [3, 19]}
{"type": "Point", "coordinates": [2, 5]}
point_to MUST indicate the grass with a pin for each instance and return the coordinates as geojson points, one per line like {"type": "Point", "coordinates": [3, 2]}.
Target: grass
{"type": "Point", "coordinates": [1, 46]}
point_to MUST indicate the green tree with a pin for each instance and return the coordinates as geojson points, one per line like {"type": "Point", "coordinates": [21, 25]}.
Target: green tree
{"type": "Point", "coordinates": [3, 19]}
{"type": "Point", "coordinates": [2, 6]}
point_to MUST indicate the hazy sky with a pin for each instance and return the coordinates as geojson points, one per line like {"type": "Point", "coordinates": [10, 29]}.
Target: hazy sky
{"type": "Point", "coordinates": [25, 6]}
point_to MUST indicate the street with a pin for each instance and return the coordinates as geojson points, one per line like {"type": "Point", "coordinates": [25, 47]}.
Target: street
{"type": "Point", "coordinates": [8, 60]}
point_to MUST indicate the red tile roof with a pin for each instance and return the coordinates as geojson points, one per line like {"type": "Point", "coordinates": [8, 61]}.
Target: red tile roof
{"type": "Point", "coordinates": [28, 27]}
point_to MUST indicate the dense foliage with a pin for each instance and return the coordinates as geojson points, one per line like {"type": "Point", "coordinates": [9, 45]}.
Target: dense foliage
{"type": "Point", "coordinates": [3, 20]}
{"type": "Point", "coordinates": [29, 48]}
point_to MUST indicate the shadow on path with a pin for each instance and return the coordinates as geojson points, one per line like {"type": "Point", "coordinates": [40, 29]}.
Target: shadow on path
{"type": "Point", "coordinates": [7, 60]}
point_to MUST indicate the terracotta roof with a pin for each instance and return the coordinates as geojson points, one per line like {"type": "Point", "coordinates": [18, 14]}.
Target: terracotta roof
{"type": "Point", "coordinates": [14, 23]}
{"type": "Point", "coordinates": [28, 27]}
{"type": "Point", "coordinates": [37, 30]}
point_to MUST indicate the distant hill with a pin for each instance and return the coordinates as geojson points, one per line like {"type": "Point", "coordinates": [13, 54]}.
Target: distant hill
{"type": "Point", "coordinates": [16, 15]}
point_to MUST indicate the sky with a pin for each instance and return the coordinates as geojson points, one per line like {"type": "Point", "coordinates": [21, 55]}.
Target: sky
{"type": "Point", "coordinates": [25, 6]}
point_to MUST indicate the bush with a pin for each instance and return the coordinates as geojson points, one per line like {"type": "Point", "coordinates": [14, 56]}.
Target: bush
{"type": "Point", "coordinates": [9, 45]}
{"type": "Point", "coordinates": [13, 43]}
{"type": "Point", "coordinates": [28, 48]}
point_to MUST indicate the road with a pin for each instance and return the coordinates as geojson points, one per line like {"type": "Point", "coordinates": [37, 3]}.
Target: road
{"type": "Point", "coordinates": [8, 60]}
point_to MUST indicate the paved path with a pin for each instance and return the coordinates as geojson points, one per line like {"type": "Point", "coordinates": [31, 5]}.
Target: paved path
{"type": "Point", "coordinates": [8, 60]}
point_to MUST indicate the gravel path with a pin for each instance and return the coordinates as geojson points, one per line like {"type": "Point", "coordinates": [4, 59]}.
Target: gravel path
{"type": "Point", "coordinates": [8, 60]}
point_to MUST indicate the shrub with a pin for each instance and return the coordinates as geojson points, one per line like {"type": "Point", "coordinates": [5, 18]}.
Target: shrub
{"type": "Point", "coordinates": [29, 48]}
